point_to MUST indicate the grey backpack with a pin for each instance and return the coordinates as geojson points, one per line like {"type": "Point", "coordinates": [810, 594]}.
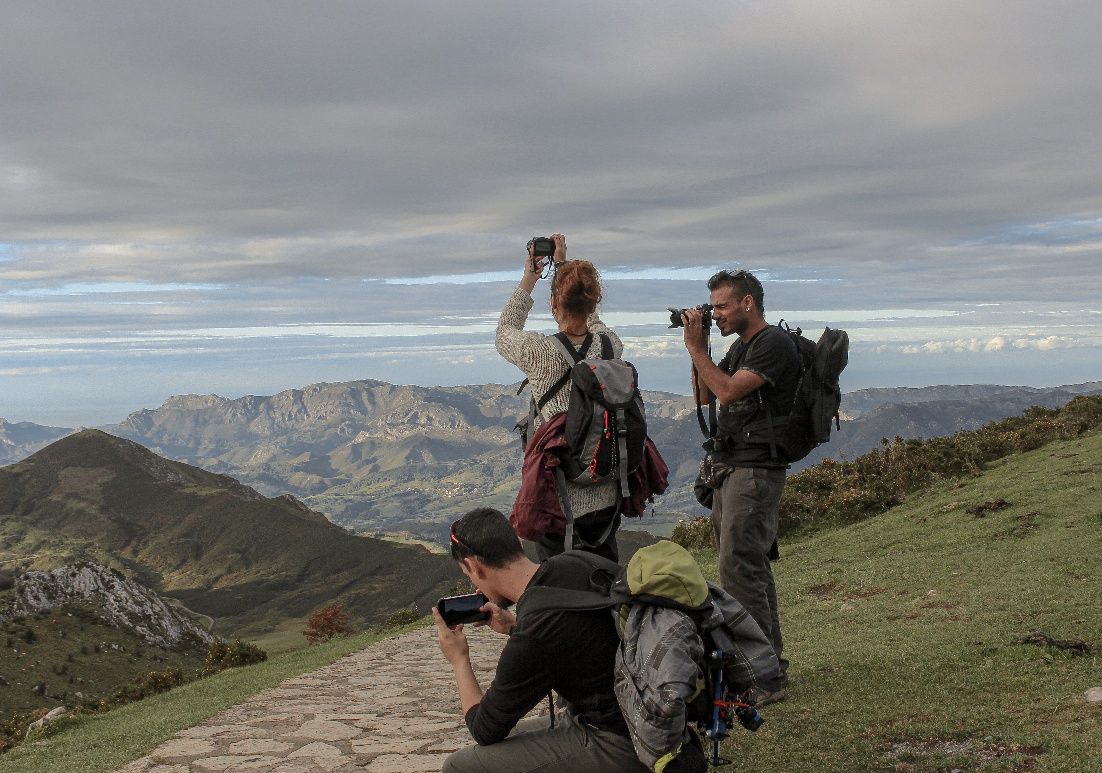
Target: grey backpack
{"type": "Point", "coordinates": [606, 426]}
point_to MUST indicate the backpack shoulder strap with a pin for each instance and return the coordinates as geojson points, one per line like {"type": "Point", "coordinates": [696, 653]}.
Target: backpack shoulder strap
{"type": "Point", "coordinates": [607, 352]}
{"type": "Point", "coordinates": [571, 356]}
{"type": "Point", "coordinates": [545, 599]}
{"type": "Point", "coordinates": [542, 598]}
{"type": "Point", "coordinates": [554, 390]}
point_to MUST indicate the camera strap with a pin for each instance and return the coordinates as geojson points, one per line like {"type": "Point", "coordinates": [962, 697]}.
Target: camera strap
{"type": "Point", "coordinates": [709, 427]}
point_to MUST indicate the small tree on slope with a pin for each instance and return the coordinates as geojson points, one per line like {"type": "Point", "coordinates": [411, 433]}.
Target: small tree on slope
{"type": "Point", "coordinates": [326, 623]}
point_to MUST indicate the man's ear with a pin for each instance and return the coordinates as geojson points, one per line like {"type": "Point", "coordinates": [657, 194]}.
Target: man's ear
{"type": "Point", "coordinates": [476, 570]}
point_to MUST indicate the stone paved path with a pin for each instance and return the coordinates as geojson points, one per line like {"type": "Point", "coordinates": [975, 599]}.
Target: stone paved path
{"type": "Point", "coordinates": [391, 708]}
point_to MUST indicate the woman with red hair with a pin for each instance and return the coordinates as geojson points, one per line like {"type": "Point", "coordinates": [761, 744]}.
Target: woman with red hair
{"type": "Point", "coordinates": [575, 293]}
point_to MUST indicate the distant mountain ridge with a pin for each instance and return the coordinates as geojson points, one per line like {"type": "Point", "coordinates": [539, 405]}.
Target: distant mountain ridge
{"type": "Point", "coordinates": [381, 457]}
{"type": "Point", "coordinates": [862, 401]}
{"type": "Point", "coordinates": [376, 456]}
{"type": "Point", "coordinates": [21, 439]}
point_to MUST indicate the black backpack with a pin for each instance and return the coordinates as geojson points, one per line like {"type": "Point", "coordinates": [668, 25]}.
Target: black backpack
{"type": "Point", "coordinates": [815, 403]}
{"type": "Point", "coordinates": [818, 395]}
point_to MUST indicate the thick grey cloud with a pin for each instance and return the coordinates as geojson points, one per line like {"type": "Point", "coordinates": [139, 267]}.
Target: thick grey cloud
{"type": "Point", "coordinates": [225, 140]}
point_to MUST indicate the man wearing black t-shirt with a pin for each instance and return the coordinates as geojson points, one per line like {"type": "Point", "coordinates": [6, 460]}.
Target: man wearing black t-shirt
{"type": "Point", "coordinates": [754, 384]}
{"type": "Point", "coordinates": [570, 652]}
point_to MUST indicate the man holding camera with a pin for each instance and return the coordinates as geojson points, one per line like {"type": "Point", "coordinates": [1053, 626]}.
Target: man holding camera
{"type": "Point", "coordinates": [570, 652]}
{"type": "Point", "coordinates": [754, 384]}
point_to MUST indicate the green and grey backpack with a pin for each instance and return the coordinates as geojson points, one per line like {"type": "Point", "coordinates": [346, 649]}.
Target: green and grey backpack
{"type": "Point", "coordinates": [689, 653]}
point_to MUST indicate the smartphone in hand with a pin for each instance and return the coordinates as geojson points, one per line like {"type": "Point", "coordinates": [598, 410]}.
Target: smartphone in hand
{"type": "Point", "coordinates": [456, 610]}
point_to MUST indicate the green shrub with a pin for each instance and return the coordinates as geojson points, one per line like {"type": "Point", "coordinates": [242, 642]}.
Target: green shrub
{"type": "Point", "coordinates": [694, 534]}
{"type": "Point", "coordinates": [223, 655]}
{"type": "Point", "coordinates": [832, 493]}
{"type": "Point", "coordinates": [151, 684]}
{"type": "Point", "coordinates": [403, 617]}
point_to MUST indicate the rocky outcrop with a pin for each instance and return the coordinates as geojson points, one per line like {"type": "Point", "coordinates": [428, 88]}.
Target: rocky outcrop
{"type": "Point", "coordinates": [51, 716]}
{"type": "Point", "coordinates": [113, 598]}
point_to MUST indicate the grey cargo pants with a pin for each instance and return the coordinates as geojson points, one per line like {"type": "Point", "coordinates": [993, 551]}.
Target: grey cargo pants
{"type": "Point", "coordinates": [744, 517]}
{"type": "Point", "coordinates": [535, 746]}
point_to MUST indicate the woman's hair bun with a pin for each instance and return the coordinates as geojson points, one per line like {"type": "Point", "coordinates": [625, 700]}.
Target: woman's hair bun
{"type": "Point", "coordinates": [576, 287]}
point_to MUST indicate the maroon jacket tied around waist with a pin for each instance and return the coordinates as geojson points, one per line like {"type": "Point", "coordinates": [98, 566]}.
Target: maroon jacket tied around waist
{"type": "Point", "coordinates": [537, 512]}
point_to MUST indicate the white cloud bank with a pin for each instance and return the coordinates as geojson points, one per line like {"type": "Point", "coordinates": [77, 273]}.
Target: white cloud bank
{"type": "Point", "coordinates": [997, 344]}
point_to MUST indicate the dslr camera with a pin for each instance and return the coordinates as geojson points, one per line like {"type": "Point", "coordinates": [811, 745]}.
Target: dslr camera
{"type": "Point", "coordinates": [675, 316]}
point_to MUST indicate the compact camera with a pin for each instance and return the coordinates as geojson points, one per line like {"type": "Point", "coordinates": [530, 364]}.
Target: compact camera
{"type": "Point", "coordinates": [542, 246]}
{"type": "Point", "coordinates": [456, 610]}
{"type": "Point", "coordinates": [675, 315]}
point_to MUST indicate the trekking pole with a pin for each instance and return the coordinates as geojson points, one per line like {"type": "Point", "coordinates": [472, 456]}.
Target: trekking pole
{"type": "Point", "coordinates": [722, 709]}
{"type": "Point", "coordinates": [717, 729]}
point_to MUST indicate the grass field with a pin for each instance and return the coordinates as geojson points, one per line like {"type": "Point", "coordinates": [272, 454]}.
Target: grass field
{"type": "Point", "coordinates": [902, 631]}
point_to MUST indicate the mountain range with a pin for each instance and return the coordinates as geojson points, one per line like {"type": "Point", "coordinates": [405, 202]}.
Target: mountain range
{"type": "Point", "coordinates": [383, 458]}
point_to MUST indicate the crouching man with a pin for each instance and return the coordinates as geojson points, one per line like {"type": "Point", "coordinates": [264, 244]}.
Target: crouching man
{"type": "Point", "coordinates": [570, 652]}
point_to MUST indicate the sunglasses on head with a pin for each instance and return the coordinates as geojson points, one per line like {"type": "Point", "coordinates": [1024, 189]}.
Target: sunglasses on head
{"type": "Point", "coordinates": [456, 541]}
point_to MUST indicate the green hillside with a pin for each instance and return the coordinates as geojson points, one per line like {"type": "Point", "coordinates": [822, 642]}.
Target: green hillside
{"type": "Point", "coordinates": [221, 548]}
{"type": "Point", "coordinates": [70, 657]}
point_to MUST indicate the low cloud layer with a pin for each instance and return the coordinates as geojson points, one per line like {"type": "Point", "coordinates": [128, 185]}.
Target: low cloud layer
{"type": "Point", "coordinates": [997, 344]}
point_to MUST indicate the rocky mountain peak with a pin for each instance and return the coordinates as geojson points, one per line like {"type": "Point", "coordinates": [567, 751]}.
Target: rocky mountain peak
{"type": "Point", "coordinates": [113, 598]}
{"type": "Point", "coordinates": [193, 402]}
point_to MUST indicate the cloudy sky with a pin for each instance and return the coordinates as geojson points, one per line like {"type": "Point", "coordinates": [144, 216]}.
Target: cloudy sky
{"type": "Point", "coordinates": [246, 197]}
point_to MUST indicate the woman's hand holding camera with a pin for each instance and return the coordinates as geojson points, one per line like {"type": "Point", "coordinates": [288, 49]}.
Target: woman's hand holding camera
{"type": "Point", "coordinates": [534, 264]}
{"type": "Point", "coordinates": [560, 248]}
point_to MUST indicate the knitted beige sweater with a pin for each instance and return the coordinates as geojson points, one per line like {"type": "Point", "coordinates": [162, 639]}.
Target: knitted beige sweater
{"type": "Point", "coordinates": [544, 364]}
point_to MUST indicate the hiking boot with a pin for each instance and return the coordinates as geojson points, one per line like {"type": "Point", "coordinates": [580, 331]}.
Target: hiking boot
{"type": "Point", "coordinates": [763, 696]}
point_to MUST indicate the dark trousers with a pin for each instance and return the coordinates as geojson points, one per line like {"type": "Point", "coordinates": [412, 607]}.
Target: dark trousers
{"type": "Point", "coordinates": [587, 531]}
{"type": "Point", "coordinates": [744, 517]}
